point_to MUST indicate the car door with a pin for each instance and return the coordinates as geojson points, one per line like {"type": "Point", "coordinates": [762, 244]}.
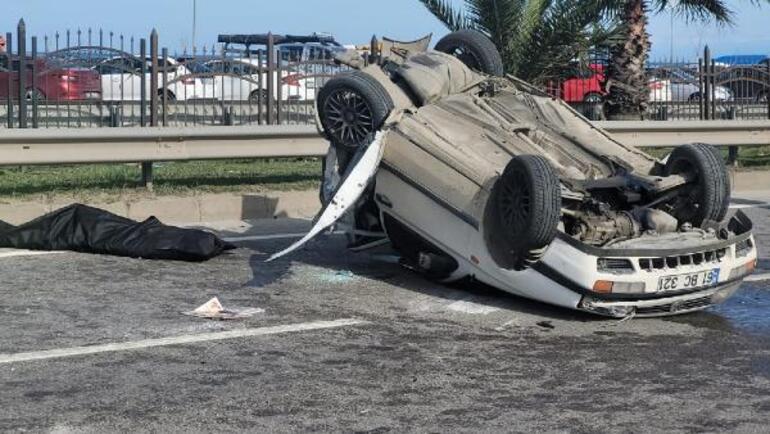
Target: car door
{"type": "Point", "coordinates": [110, 78]}
{"type": "Point", "coordinates": [222, 84]}
{"type": "Point", "coordinates": [4, 76]}
{"type": "Point", "coordinates": [131, 79]}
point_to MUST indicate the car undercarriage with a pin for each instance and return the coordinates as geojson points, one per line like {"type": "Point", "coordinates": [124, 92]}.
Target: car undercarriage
{"type": "Point", "coordinates": [467, 172]}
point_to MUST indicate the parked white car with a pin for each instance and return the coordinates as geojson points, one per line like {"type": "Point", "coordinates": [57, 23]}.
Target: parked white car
{"type": "Point", "coordinates": [121, 79]}
{"type": "Point", "coordinates": [239, 80]}
{"type": "Point", "coordinates": [679, 86]}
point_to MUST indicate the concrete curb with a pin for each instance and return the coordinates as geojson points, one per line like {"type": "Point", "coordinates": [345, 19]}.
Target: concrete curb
{"type": "Point", "coordinates": [190, 209]}
{"type": "Point", "coordinates": [247, 206]}
{"type": "Point", "coordinates": [750, 180]}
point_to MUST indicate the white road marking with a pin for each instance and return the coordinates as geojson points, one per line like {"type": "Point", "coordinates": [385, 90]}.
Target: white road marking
{"type": "Point", "coordinates": [271, 237]}
{"type": "Point", "coordinates": [176, 340]}
{"type": "Point", "coordinates": [15, 253]}
{"type": "Point", "coordinates": [758, 277]}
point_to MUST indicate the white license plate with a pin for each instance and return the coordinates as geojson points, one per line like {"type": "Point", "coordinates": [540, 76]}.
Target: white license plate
{"type": "Point", "coordinates": [689, 280]}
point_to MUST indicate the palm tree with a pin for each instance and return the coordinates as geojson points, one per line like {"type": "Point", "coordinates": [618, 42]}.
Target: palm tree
{"type": "Point", "coordinates": [537, 39]}
{"type": "Point", "coordinates": [626, 79]}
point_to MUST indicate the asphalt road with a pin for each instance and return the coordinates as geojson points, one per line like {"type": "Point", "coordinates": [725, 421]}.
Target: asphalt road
{"type": "Point", "coordinates": [354, 343]}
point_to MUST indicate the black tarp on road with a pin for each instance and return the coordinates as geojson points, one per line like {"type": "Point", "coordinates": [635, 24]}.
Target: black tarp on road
{"type": "Point", "coordinates": [81, 228]}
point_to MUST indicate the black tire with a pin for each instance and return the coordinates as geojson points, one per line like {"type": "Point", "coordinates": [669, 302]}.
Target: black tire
{"type": "Point", "coordinates": [694, 97]}
{"type": "Point", "coordinates": [474, 49]}
{"type": "Point", "coordinates": [592, 106]}
{"type": "Point", "coordinates": [525, 211]}
{"type": "Point", "coordinates": [36, 93]}
{"type": "Point", "coordinates": [352, 107]}
{"type": "Point", "coordinates": [256, 95]}
{"type": "Point", "coordinates": [169, 95]}
{"type": "Point", "coordinates": [709, 197]}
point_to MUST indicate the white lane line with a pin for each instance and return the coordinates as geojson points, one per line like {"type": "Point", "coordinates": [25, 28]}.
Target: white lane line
{"type": "Point", "coordinates": [758, 277]}
{"type": "Point", "coordinates": [176, 340]}
{"type": "Point", "coordinates": [15, 253]}
{"type": "Point", "coordinates": [271, 237]}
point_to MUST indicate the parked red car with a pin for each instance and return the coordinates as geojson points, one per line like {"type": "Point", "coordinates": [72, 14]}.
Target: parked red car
{"type": "Point", "coordinates": [583, 85]}
{"type": "Point", "coordinates": [52, 83]}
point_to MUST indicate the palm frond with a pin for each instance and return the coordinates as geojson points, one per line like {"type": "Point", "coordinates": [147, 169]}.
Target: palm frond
{"type": "Point", "coordinates": [700, 10]}
{"type": "Point", "coordinates": [453, 18]}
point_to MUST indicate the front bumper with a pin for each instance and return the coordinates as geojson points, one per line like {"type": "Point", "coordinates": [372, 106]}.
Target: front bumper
{"type": "Point", "coordinates": [674, 305]}
{"type": "Point", "coordinates": [638, 289]}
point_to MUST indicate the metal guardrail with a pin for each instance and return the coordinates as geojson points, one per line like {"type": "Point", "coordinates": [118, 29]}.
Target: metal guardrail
{"type": "Point", "coordinates": [117, 145]}
{"type": "Point", "coordinates": [646, 134]}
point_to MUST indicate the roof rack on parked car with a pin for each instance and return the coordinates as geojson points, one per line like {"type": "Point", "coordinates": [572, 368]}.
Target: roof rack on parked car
{"type": "Point", "coordinates": [262, 39]}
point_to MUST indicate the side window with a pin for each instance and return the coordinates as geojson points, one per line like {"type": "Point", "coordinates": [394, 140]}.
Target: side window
{"type": "Point", "coordinates": [106, 69]}
{"type": "Point", "coordinates": [215, 67]}
{"type": "Point", "coordinates": [4, 63]}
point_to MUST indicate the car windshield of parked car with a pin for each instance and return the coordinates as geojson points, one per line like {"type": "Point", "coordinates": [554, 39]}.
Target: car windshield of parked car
{"type": "Point", "coordinates": [679, 76]}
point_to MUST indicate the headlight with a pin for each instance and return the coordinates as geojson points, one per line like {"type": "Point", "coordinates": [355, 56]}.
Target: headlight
{"type": "Point", "coordinates": [614, 266]}
{"type": "Point", "coordinates": [743, 248]}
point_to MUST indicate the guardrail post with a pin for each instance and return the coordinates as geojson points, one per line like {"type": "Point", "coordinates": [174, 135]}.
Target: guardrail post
{"type": "Point", "coordinates": [9, 87]}
{"type": "Point", "coordinates": [22, 52]}
{"type": "Point", "coordinates": [270, 77]}
{"type": "Point", "coordinates": [35, 120]}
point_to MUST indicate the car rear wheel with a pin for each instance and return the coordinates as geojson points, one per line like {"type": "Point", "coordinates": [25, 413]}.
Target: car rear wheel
{"type": "Point", "coordinates": [352, 107]}
{"type": "Point", "coordinates": [258, 95]}
{"type": "Point", "coordinates": [169, 95]}
{"type": "Point", "coordinates": [474, 49]}
{"type": "Point", "coordinates": [35, 94]}
{"type": "Point", "coordinates": [523, 212]}
{"type": "Point", "coordinates": [708, 194]}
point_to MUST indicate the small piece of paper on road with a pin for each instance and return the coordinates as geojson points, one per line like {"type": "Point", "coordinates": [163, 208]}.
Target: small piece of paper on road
{"type": "Point", "coordinates": [213, 309]}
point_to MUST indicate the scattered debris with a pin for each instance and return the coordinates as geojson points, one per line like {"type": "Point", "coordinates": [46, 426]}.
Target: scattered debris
{"type": "Point", "coordinates": [506, 325]}
{"type": "Point", "coordinates": [213, 309]}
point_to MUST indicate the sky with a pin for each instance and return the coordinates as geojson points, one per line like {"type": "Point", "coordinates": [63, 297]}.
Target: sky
{"type": "Point", "coordinates": [351, 21]}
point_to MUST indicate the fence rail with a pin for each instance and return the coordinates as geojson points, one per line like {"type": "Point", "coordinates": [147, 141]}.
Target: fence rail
{"type": "Point", "coordinates": [117, 145]}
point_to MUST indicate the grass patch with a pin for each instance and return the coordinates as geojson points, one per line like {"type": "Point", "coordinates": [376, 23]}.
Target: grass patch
{"type": "Point", "coordinates": [173, 178]}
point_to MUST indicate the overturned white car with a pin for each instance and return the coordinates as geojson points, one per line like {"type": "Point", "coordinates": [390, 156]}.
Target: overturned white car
{"type": "Point", "coordinates": [469, 173]}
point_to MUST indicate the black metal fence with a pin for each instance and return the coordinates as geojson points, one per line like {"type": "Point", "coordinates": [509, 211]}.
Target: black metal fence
{"type": "Point", "coordinates": [100, 79]}
{"type": "Point", "coordinates": [727, 87]}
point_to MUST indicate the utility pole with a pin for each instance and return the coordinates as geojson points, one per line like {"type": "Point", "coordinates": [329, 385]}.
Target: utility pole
{"type": "Point", "coordinates": [194, 23]}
